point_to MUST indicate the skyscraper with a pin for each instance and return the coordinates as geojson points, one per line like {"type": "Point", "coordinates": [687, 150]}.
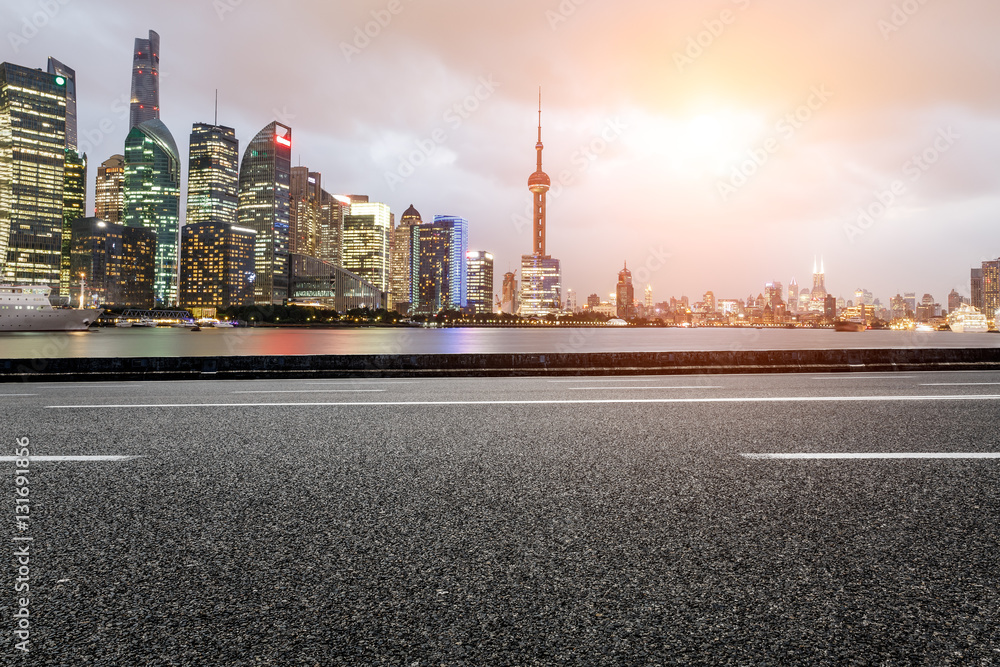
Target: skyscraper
{"type": "Point", "coordinates": [509, 294]}
{"type": "Point", "coordinates": [74, 206]}
{"type": "Point", "coordinates": [117, 262]}
{"type": "Point", "coordinates": [541, 279]}
{"type": "Point", "coordinates": [817, 298]}
{"type": "Point", "coordinates": [213, 174]}
{"type": "Point", "coordinates": [402, 277]}
{"type": "Point", "coordinates": [217, 265]}
{"type": "Point", "coordinates": [439, 261]}
{"type": "Point", "coordinates": [152, 198]}
{"type": "Point", "coordinates": [333, 208]}
{"type": "Point", "coordinates": [304, 211]}
{"type": "Point", "coordinates": [265, 181]}
{"type": "Point", "coordinates": [977, 289]}
{"type": "Point", "coordinates": [109, 194]}
{"type": "Point", "coordinates": [625, 294]}
{"type": "Point", "coordinates": [365, 245]}
{"type": "Point", "coordinates": [32, 161]}
{"type": "Point", "coordinates": [145, 102]}
{"type": "Point", "coordinates": [793, 296]}
{"type": "Point", "coordinates": [480, 291]}
{"type": "Point", "coordinates": [56, 68]}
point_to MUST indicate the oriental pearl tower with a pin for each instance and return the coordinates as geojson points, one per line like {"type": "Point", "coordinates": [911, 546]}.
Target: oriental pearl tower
{"type": "Point", "coordinates": [541, 277]}
{"type": "Point", "coordinates": [539, 183]}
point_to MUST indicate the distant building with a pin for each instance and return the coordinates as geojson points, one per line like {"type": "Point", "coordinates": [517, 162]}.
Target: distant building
{"type": "Point", "coordinates": [56, 68]}
{"type": "Point", "coordinates": [480, 289]}
{"type": "Point", "coordinates": [793, 297]}
{"type": "Point", "coordinates": [439, 255]}
{"type": "Point", "coordinates": [541, 286]}
{"type": "Point", "coordinates": [829, 307]}
{"type": "Point", "coordinates": [32, 162]}
{"type": "Point", "coordinates": [991, 286]}
{"type": "Point", "coordinates": [152, 198]}
{"type": "Point", "coordinates": [818, 295]}
{"type": "Point", "coordinates": [333, 209]}
{"type": "Point", "coordinates": [116, 262]}
{"type": "Point", "coordinates": [74, 206]}
{"type": "Point", "coordinates": [315, 282]}
{"type": "Point", "coordinates": [541, 276]}
{"type": "Point", "coordinates": [625, 294]}
{"type": "Point", "coordinates": [213, 174]}
{"type": "Point", "coordinates": [109, 193]}
{"type": "Point", "coordinates": [402, 270]}
{"type": "Point", "coordinates": [593, 301]}
{"type": "Point", "coordinates": [911, 301]}
{"type": "Point", "coordinates": [145, 102]}
{"type": "Point", "coordinates": [509, 294]}
{"type": "Point", "coordinates": [365, 245]}
{"type": "Point", "coordinates": [955, 301]}
{"type": "Point", "coordinates": [265, 175]}
{"type": "Point", "coordinates": [977, 289]}
{"type": "Point", "coordinates": [217, 265]}
{"type": "Point", "coordinates": [898, 309]}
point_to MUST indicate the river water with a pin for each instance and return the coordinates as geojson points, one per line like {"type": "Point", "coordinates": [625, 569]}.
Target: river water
{"type": "Point", "coordinates": [163, 342]}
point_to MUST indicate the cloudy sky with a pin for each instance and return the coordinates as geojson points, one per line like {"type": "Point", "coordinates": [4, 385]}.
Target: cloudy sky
{"type": "Point", "coordinates": [715, 145]}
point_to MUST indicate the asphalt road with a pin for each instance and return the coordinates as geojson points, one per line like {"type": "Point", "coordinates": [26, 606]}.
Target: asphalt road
{"type": "Point", "coordinates": [508, 521]}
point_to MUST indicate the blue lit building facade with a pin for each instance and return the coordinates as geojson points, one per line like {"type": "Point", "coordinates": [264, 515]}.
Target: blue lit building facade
{"type": "Point", "coordinates": [264, 196]}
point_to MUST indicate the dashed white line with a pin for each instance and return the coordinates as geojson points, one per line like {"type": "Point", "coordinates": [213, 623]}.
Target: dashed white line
{"type": "Point", "coordinates": [96, 457]}
{"type": "Point", "coordinates": [309, 391]}
{"type": "Point", "coordinates": [797, 456]}
{"type": "Point", "coordinates": [642, 388]}
{"type": "Point", "coordinates": [756, 399]}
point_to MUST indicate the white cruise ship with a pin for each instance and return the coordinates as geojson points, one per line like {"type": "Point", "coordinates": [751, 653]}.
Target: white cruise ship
{"type": "Point", "coordinates": [967, 319]}
{"type": "Point", "coordinates": [27, 308]}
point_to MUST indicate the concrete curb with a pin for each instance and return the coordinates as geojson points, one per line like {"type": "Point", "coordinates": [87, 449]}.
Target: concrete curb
{"type": "Point", "coordinates": [498, 365]}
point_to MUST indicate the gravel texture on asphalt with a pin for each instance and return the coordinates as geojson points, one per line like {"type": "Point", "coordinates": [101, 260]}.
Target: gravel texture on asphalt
{"type": "Point", "coordinates": [624, 533]}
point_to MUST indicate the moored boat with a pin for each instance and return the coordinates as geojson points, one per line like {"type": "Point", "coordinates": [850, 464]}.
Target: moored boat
{"type": "Point", "coordinates": [27, 308]}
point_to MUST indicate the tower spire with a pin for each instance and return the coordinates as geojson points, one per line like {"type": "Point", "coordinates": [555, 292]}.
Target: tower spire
{"type": "Point", "coordinates": [539, 183]}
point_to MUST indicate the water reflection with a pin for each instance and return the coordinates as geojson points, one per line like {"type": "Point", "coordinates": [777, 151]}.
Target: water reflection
{"type": "Point", "coordinates": [162, 342]}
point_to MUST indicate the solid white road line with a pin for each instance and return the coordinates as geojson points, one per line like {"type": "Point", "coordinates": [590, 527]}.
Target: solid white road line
{"type": "Point", "coordinates": [640, 388]}
{"type": "Point", "coordinates": [877, 455]}
{"type": "Point", "coordinates": [848, 376]}
{"type": "Point", "coordinates": [97, 457]}
{"type": "Point", "coordinates": [647, 378]}
{"type": "Point", "coordinates": [959, 384]}
{"type": "Point", "coordinates": [783, 399]}
{"type": "Point", "coordinates": [309, 391]}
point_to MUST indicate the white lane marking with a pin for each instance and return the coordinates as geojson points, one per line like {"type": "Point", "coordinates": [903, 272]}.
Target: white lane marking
{"type": "Point", "coordinates": [640, 388]}
{"type": "Point", "coordinates": [359, 382]}
{"type": "Point", "coordinates": [97, 457]}
{"type": "Point", "coordinates": [84, 385]}
{"type": "Point", "coordinates": [309, 391]}
{"type": "Point", "coordinates": [959, 384]}
{"type": "Point", "coordinates": [862, 377]}
{"type": "Point", "coordinates": [877, 455]}
{"type": "Point", "coordinates": [648, 378]}
{"type": "Point", "coordinates": [782, 399]}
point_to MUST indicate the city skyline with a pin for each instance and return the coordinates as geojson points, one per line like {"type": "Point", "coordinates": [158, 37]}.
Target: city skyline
{"type": "Point", "coordinates": [844, 129]}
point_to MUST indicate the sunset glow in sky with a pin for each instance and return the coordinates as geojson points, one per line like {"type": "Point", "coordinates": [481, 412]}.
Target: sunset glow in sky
{"type": "Point", "coordinates": [740, 137]}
